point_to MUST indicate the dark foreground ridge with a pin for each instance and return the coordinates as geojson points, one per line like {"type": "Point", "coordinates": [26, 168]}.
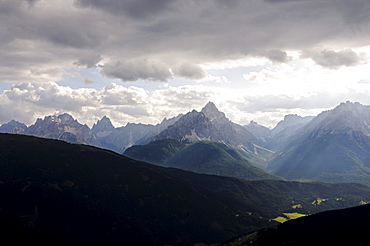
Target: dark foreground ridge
{"type": "Point", "coordinates": [349, 226]}
{"type": "Point", "coordinates": [57, 193]}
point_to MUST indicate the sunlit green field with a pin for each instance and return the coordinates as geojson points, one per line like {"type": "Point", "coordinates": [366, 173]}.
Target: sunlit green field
{"type": "Point", "coordinates": [288, 216]}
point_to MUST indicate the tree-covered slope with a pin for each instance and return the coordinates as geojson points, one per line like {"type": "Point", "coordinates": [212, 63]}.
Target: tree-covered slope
{"type": "Point", "coordinates": [156, 152]}
{"type": "Point", "coordinates": [205, 157]}
{"type": "Point", "coordinates": [216, 158]}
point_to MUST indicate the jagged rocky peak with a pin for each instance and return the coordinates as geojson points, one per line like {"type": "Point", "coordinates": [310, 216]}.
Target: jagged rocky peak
{"type": "Point", "coordinates": [66, 118]}
{"type": "Point", "coordinates": [345, 117]}
{"type": "Point", "coordinates": [348, 106]}
{"type": "Point", "coordinates": [167, 122]}
{"type": "Point", "coordinates": [212, 113]}
{"type": "Point", "coordinates": [103, 125]}
{"type": "Point", "coordinates": [258, 130]}
{"type": "Point", "coordinates": [13, 127]}
{"type": "Point", "coordinates": [16, 124]}
{"type": "Point", "coordinates": [255, 124]}
{"type": "Point", "coordinates": [291, 120]}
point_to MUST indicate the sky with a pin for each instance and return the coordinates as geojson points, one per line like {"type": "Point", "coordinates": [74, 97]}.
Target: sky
{"type": "Point", "coordinates": [141, 61]}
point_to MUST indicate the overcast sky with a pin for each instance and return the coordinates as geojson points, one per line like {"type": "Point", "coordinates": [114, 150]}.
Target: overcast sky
{"type": "Point", "coordinates": [144, 60]}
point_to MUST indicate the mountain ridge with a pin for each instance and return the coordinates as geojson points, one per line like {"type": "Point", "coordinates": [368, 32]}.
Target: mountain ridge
{"type": "Point", "coordinates": [203, 156]}
{"type": "Point", "coordinates": [333, 147]}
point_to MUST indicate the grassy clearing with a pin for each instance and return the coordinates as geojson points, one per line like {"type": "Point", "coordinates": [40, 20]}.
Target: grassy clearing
{"type": "Point", "coordinates": [318, 201]}
{"type": "Point", "coordinates": [297, 206]}
{"type": "Point", "coordinates": [294, 215]}
{"type": "Point", "coordinates": [288, 216]}
{"type": "Point", "coordinates": [280, 219]}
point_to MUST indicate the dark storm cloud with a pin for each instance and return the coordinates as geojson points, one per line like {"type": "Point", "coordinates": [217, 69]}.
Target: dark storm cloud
{"type": "Point", "coordinates": [190, 71]}
{"type": "Point", "coordinates": [283, 1]}
{"type": "Point", "coordinates": [336, 59]}
{"type": "Point", "coordinates": [144, 69]}
{"type": "Point", "coordinates": [277, 56]}
{"type": "Point", "coordinates": [88, 61]}
{"type": "Point", "coordinates": [171, 32]}
{"type": "Point", "coordinates": [31, 3]}
{"type": "Point", "coordinates": [133, 8]}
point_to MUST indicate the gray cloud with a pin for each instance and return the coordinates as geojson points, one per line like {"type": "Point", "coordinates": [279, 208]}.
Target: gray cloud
{"type": "Point", "coordinates": [190, 71]}
{"type": "Point", "coordinates": [88, 81]}
{"type": "Point", "coordinates": [277, 56]}
{"type": "Point", "coordinates": [336, 59]}
{"type": "Point", "coordinates": [144, 69]}
{"type": "Point", "coordinates": [31, 3]}
{"type": "Point", "coordinates": [26, 102]}
{"type": "Point", "coordinates": [88, 61]}
{"type": "Point", "coordinates": [282, 1]}
{"type": "Point", "coordinates": [62, 33]}
{"type": "Point", "coordinates": [133, 8]}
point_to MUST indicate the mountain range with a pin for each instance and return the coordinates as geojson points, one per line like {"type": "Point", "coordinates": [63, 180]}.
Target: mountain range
{"type": "Point", "coordinates": [234, 180]}
{"type": "Point", "coordinates": [56, 193]}
{"type": "Point", "coordinates": [333, 146]}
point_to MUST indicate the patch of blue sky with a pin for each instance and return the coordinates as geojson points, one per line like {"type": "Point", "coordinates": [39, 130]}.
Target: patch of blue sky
{"type": "Point", "coordinates": [5, 86]}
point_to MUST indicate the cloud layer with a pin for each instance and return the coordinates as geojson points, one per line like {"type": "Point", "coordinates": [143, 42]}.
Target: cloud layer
{"type": "Point", "coordinates": [154, 39]}
{"type": "Point", "coordinates": [144, 60]}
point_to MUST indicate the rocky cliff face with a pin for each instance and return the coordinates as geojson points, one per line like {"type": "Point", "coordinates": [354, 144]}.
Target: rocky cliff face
{"type": "Point", "coordinates": [261, 132]}
{"type": "Point", "coordinates": [120, 138]}
{"type": "Point", "coordinates": [210, 124]}
{"type": "Point", "coordinates": [345, 118]}
{"type": "Point", "coordinates": [63, 127]}
{"type": "Point", "coordinates": [13, 127]}
{"type": "Point", "coordinates": [103, 127]}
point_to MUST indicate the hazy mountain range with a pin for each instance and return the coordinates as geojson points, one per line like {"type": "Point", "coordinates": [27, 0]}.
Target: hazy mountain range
{"type": "Point", "coordinates": [58, 193]}
{"type": "Point", "coordinates": [333, 146]}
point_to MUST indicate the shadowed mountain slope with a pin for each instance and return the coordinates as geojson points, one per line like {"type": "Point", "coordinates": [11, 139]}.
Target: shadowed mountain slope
{"type": "Point", "coordinates": [201, 157]}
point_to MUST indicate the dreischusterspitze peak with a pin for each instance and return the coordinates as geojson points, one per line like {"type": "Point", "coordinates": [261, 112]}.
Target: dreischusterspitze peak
{"type": "Point", "coordinates": [103, 125]}
{"type": "Point", "coordinates": [210, 106]}
{"type": "Point", "coordinates": [66, 118]}
{"type": "Point", "coordinates": [211, 112]}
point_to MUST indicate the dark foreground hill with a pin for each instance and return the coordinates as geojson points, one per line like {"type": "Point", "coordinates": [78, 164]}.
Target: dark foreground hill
{"type": "Point", "coordinates": [349, 226]}
{"type": "Point", "coordinates": [56, 193]}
